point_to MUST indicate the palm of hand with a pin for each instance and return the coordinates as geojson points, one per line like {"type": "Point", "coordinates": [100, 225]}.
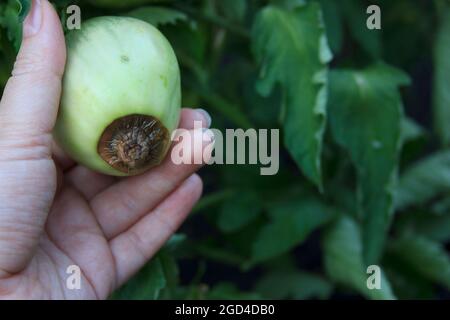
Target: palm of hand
{"type": "Point", "coordinates": [72, 236]}
{"type": "Point", "coordinates": [107, 227]}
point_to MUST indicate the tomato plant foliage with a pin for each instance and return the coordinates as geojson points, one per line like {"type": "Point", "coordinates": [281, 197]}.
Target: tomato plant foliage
{"type": "Point", "coordinates": [283, 38]}
{"type": "Point", "coordinates": [364, 117]}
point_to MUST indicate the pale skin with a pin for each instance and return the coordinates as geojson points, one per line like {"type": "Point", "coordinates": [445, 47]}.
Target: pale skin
{"type": "Point", "coordinates": [55, 213]}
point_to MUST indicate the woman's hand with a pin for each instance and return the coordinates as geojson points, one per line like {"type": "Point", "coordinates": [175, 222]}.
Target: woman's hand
{"type": "Point", "coordinates": [54, 213]}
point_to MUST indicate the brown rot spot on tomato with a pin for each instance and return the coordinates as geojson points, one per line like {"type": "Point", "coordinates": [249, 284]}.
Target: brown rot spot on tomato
{"type": "Point", "coordinates": [134, 143]}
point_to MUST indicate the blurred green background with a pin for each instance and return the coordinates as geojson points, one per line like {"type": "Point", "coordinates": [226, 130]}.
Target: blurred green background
{"type": "Point", "coordinates": [364, 166]}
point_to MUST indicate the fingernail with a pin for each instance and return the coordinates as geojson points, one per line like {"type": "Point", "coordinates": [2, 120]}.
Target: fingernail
{"type": "Point", "coordinates": [194, 179]}
{"type": "Point", "coordinates": [206, 116]}
{"type": "Point", "coordinates": [209, 134]}
{"type": "Point", "coordinates": [33, 21]}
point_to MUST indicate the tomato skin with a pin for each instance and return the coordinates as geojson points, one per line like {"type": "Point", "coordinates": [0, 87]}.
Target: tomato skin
{"type": "Point", "coordinates": [116, 66]}
{"type": "Point", "coordinates": [117, 4]}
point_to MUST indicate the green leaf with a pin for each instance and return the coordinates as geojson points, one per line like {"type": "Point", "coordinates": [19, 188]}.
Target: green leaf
{"type": "Point", "coordinates": [432, 226]}
{"type": "Point", "coordinates": [233, 9]}
{"type": "Point", "coordinates": [158, 15]}
{"type": "Point", "coordinates": [4, 74]}
{"type": "Point", "coordinates": [333, 21]}
{"type": "Point", "coordinates": [408, 287]}
{"type": "Point", "coordinates": [424, 180]}
{"type": "Point", "coordinates": [175, 242]}
{"type": "Point", "coordinates": [413, 138]}
{"type": "Point", "coordinates": [406, 283]}
{"type": "Point", "coordinates": [289, 4]}
{"type": "Point", "coordinates": [425, 256]}
{"type": "Point", "coordinates": [229, 291]}
{"type": "Point", "coordinates": [215, 252]}
{"type": "Point", "coordinates": [146, 285]}
{"type": "Point", "coordinates": [356, 17]}
{"type": "Point", "coordinates": [7, 57]}
{"type": "Point", "coordinates": [292, 222]}
{"type": "Point", "coordinates": [293, 285]}
{"type": "Point", "coordinates": [25, 6]}
{"type": "Point", "coordinates": [170, 267]}
{"type": "Point", "coordinates": [190, 41]}
{"type": "Point", "coordinates": [159, 277]}
{"type": "Point", "coordinates": [10, 20]}
{"type": "Point", "coordinates": [343, 259]}
{"type": "Point", "coordinates": [171, 274]}
{"type": "Point", "coordinates": [121, 4]}
{"type": "Point", "coordinates": [411, 131]}
{"type": "Point", "coordinates": [211, 200]}
{"type": "Point", "coordinates": [441, 207]}
{"type": "Point", "coordinates": [292, 50]}
{"type": "Point", "coordinates": [239, 210]}
{"type": "Point", "coordinates": [264, 111]}
{"type": "Point", "coordinates": [441, 92]}
{"type": "Point", "coordinates": [365, 116]}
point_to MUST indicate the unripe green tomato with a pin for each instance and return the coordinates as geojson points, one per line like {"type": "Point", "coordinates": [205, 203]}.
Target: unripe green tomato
{"type": "Point", "coordinates": [120, 3]}
{"type": "Point", "coordinates": [121, 96]}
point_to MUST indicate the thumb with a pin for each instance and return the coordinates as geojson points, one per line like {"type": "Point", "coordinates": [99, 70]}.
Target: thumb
{"type": "Point", "coordinates": [28, 111]}
{"type": "Point", "coordinates": [30, 101]}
